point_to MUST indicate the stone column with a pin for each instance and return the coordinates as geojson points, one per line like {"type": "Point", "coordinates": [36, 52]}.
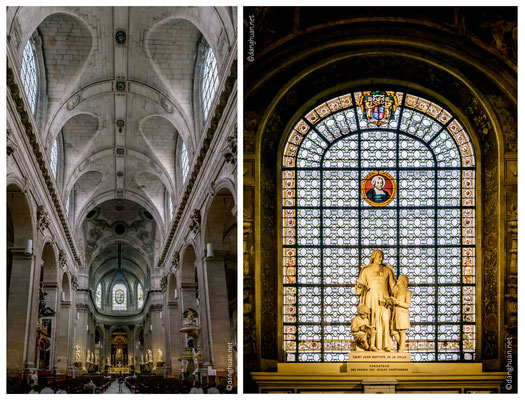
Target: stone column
{"type": "Point", "coordinates": [32, 310]}
{"type": "Point", "coordinates": [53, 301]}
{"type": "Point", "coordinates": [131, 344]}
{"type": "Point", "coordinates": [205, 338]}
{"type": "Point", "coordinates": [157, 335]}
{"type": "Point", "coordinates": [81, 333]}
{"type": "Point", "coordinates": [20, 301]}
{"type": "Point", "coordinates": [62, 336]}
{"type": "Point", "coordinates": [173, 337]}
{"type": "Point", "coordinates": [219, 329]}
{"type": "Point", "coordinates": [107, 343]}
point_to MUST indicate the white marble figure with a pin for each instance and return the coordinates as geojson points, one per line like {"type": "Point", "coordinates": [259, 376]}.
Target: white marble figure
{"type": "Point", "coordinates": [78, 357]}
{"type": "Point", "coordinates": [159, 355]}
{"type": "Point", "coordinates": [387, 301]}
{"type": "Point", "coordinates": [150, 355]}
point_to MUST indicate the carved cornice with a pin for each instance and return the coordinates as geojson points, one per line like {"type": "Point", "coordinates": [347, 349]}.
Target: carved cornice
{"type": "Point", "coordinates": [212, 127]}
{"type": "Point", "coordinates": [31, 134]}
{"type": "Point", "coordinates": [164, 282]}
{"type": "Point", "coordinates": [62, 260]}
{"type": "Point", "coordinates": [82, 307]}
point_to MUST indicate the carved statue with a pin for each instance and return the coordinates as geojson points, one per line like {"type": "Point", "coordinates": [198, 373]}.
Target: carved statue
{"type": "Point", "coordinates": [150, 355]}
{"type": "Point", "coordinates": [159, 355]}
{"type": "Point", "coordinates": [196, 355]}
{"type": "Point", "coordinates": [78, 357]}
{"type": "Point", "coordinates": [142, 358]}
{"type": "Point", "coordinates": [190, 320]}
{"type": "Point", "coordinates": [108, 361]}
{"type": "Point", "coordinates": [363, 333]}
{"type": "Point", "coordinates": [387, 302]}
{"type": "Point", "coordinates": [400, 321]}
{"type": "Point", "coordinates": [184, 365]}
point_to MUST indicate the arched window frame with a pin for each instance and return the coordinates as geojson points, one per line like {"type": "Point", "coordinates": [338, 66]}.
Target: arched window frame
{"type": "Point", "coordinates": [98, 296]}
{"type": "Point", "coordinates": [140, 296]}
{"type": "Point", "coordinates": [209, 83]}
{"type": "Point", "coordinates": [119, 285]}
{"type": "Point", "coordinates": [29, 74]}
{"type": "Point", "coordinates": [54, 158]}
{"type": "Point", "coordinates": [291, 263]}
{"type": "Point", "coordinates": [184, 161]}
{"type": "Point", "coordinates": [39, 109]}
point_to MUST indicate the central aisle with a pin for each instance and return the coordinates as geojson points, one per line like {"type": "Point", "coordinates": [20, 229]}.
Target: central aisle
{"type": "Point", "coordinates": [113, 389]}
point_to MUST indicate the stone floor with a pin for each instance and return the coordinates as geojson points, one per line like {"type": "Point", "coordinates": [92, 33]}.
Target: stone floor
{"type": "Point", "coordinates": [113, 389]}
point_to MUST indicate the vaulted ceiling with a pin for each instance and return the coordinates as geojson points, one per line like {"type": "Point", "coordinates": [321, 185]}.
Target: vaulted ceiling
{"type": "Point", "coordinates": [120, 91]}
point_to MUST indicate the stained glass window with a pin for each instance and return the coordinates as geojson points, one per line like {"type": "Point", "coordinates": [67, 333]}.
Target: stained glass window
{"type": "Point", "coordinates": [210, 81]}
{"type": "Point", "coordinates": [184, 161]}
{"type": "Point", "coordinates": [67, 205]}
{"type": "Point", "coordinates": [119, 297]}
{"type": "Point", "coordinates": [54, 158]}
{"type": "Point", "coordinates": [170, 207]}
{"type": "Point", "coordinates": [378, 170]}
{"type": "Point", "coordinates": [28, 75]}
{"type": "Point", "coordinates": [140, 296]}
{"type": "Point", "coordinates": [98, 296]}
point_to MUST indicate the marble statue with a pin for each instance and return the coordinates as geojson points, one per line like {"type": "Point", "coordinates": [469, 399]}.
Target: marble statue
{"type": "Point", "coordinates": [78, 357]}
{"type": "Point", "coordinates": [195, 360]}
{"type": "Point", "coordinates": [142, 358]}
{"type": "Point", "coordinates": [150, 355]}
{"type": "Point", "coordinates": [108, 361]}
{"type": "Point", "coordinates": [184, 365]}
{"type": "Point", "coordinates": [159, 355]}
{"type": "Point", "coordinates": [363, 333]}
{"type": "Point", "coordinates": [379, 292]}
{"type": "Point", "coordinates": [400, 321]}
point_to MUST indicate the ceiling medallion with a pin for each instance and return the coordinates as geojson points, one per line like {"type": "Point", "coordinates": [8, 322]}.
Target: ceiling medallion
{"type": "Point", "coordinates": [120, 174]}
{"type": "Point", "coordinates": [120, 86]}
{"type": "Point", "coordinates": [120, 151]}
{"type": "Point", "coordinates": [120, 124]}
{"type": "Point", "coordinates": [121, 37]}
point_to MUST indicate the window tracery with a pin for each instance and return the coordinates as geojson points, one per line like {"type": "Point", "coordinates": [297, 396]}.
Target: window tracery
{"type": "Point", "coordinates": [385, 170]}
{"type": "Point", "coordinates": [98, 296]}
{"type": "Point", "coordinates": [185, 163]}
{"type": "Point", "coordinates": [140, 296]}
{"type": "Point", "coordinates": [54, 158]}
{"type": "Point", "coordinates": [210, 81]}
{"type": "Point", "coordinates": [28, 75]}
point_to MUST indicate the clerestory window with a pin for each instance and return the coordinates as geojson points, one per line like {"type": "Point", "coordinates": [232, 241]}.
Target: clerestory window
{"type": "Point", "coordinates": [210, 81]}
{"type": "Point", "coordinates": [28, 74]}
{"type": "Point", "coordinates": [119, 297]}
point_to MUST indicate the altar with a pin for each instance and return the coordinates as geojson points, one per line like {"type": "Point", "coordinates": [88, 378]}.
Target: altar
{"type": "Point", "coordinates": [116, 370]}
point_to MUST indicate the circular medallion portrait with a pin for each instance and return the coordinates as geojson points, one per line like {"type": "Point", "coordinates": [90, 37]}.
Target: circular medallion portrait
{"type": "Point", "coordinates": [378, 188]}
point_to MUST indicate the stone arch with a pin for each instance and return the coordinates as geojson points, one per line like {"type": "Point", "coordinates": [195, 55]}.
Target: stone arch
{"type": "Point", "coordinates": [172, 288]}
{"type": "Point", "coordinates": [50, 268]}
{"type": "Point", "coordinates": [220, 236]}
{"type": "Point", "coordinates": [188, 259]}
{"type": "Point", "coordinates": [450, 77]}
{"type": "Point", "coordinates": [20, 265]}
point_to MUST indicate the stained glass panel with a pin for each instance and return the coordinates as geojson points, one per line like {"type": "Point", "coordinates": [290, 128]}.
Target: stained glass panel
{"type": "Point", "coordinates": [382, 170]}
{"type": "Point", "coordinates": [119, 297]}
{"type": "Point", "coordinates": [98, 296]}
{"type": "Point", "coordinates": [140, 296]}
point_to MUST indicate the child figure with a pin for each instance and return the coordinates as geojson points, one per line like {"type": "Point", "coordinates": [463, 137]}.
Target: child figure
{"type": "Point", "coordinates": [363, 333]}
{"type": "Point", "coordinates": [400, 319]}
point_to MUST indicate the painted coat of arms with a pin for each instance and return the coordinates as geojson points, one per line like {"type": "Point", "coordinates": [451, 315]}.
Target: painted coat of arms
{"type": "Point", "coordinates": [378, 107]}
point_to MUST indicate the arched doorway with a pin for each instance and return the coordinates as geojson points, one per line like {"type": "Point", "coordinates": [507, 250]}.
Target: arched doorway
{"type": "Point", "coordinates": [19, 286]}
{"type": "Point", "coordinates": [221, 276]}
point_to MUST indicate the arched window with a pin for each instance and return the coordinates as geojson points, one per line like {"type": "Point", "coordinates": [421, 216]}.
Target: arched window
{"type": "Point", "coordinates": [170, 207]}
{"type": "Point", "coordinates": [378, 170]}
{"type": "Point", "coordinates": [210, 81]}
{"type": "Point", "coordinates": [184, 161]}
{"type": "Point", "coordinates": [98, 296]}
{"type": "Point", "coordinates": [28, 75]}
{"type": "Point", "coordinates": [120, 296]}
{"type": "Point", "coordinates": [54, 158]}
{"type": "Point", "coordinates": [67, 205]}
{"type": "Point", "coordinates": [140, 296]}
